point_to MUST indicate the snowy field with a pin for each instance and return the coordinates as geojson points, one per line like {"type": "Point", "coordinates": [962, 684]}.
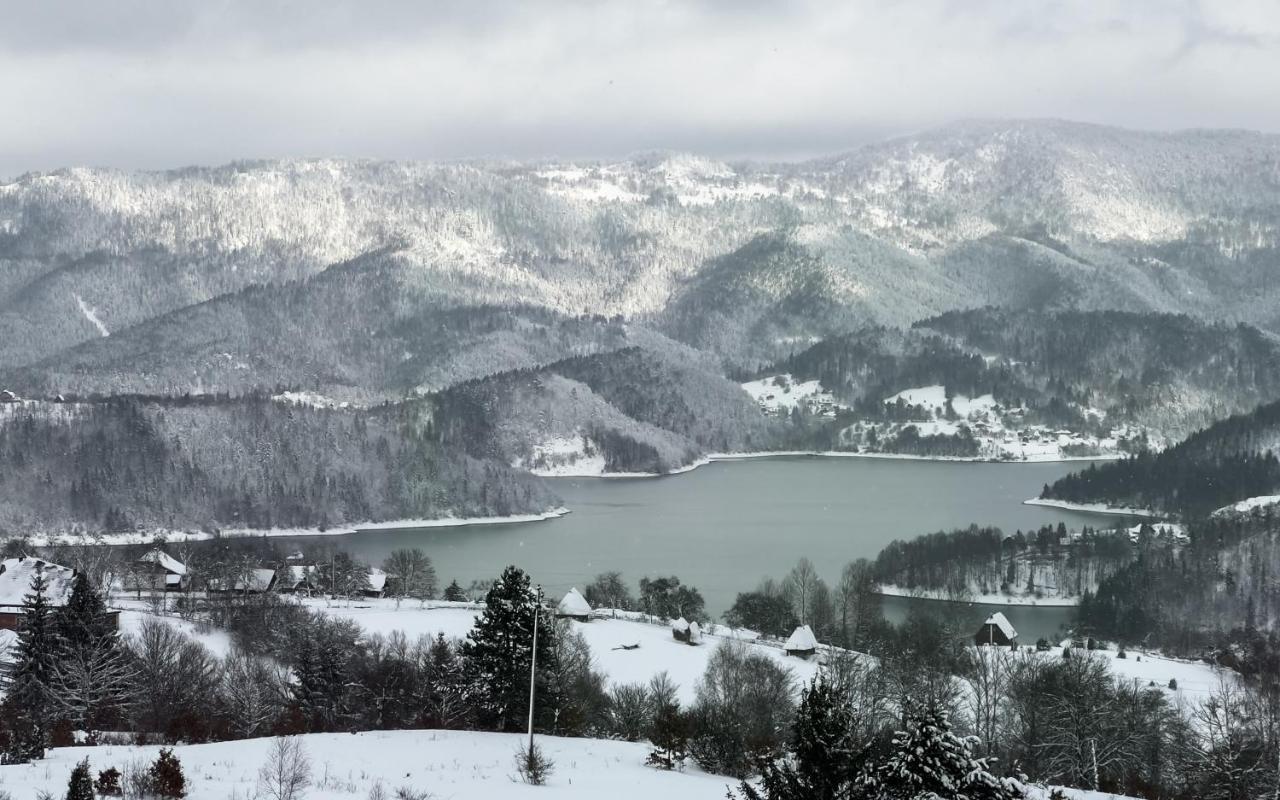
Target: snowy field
{"type": "Point", "coordinates": [452, 765]}
{"type": "Point", "coordinates": [781, 393]}
{"type": "Point", "coordinates": [448, 764]}
{"type": "Point", "coordinates": [657, 652]}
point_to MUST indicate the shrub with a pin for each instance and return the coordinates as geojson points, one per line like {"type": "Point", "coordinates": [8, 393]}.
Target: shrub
{"type": "Point", "coordinates": [1173, 683]}
{"type": "Point", "coordinates": [80, 785]}
{"type": "Point", "coordinates": [669, 734]}
{"type": "Point", "coordinates": [533, 765]}
{"type": "Point", "coordinates": [167, 780]}
{"type": "Point", "coordinates": [108, 782]}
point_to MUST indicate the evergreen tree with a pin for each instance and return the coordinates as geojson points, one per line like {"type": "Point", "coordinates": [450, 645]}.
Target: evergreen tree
{"type": "Point", "coordinates": [83, 619]}
{"type": "Point", "coordinates": [446, 704]}
{"type": "Point", "coordinates": [824, 759]}
{"type": "Point", "coordinates": [669, 735]}
{"type": "Point", "coordinates": [453, 593]}
{"type": "Point", "coordinates": [80, 786]}
{"type": "Point", "coordinates": [497, 654]}
{"type": "Point", "coordinates": [167, 780]}
{"type": "Point", "coordinates": [27, 703]}
{"type": "Point", "coordinates": [929, 761]}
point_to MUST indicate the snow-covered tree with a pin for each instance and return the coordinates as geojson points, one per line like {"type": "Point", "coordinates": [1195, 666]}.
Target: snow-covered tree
{"type": "Point", "coordinates": [498, 651]}
{"type": "Point", "coordinates": [928, 761]}
{"type": "Point", "coordinates": [28, 705]}
{"type": "Point", "coordinates": [410, 573]}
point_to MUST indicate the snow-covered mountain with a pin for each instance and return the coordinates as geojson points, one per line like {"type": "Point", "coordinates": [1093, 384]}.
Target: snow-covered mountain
{"type": "Point", "coordinates": [1031, 214]}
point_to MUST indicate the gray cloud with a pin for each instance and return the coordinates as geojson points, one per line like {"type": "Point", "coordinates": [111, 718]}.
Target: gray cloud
{"type": "Point", "coordinates": [154, 83]}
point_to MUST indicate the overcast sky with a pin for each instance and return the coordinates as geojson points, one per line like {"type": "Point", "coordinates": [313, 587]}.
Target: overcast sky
{"type": "Point", "coordinates": [162, 83]}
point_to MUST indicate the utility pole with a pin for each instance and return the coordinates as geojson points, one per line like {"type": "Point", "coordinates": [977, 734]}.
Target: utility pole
{"type": "Point", "coordinates": [533, 665]}
{"type": "Point", "coordinates": [1093, 749]}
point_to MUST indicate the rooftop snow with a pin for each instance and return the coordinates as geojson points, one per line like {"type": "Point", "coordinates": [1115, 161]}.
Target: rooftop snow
{"type": "Point", "coordinates": [802, 639]}
{"type": "Point", "coordinates": [574, 604]}
{"type": "Point", "coordinates": [16, 575]}
{"type": "Point", "coordinates": [1002, 622]}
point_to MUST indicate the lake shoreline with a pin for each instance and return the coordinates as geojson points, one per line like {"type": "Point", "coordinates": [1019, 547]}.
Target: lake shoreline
{"type": "Point", "coordinates": [712, 458]}
{"type": "Point", "coordinates": [1092, 508]}
{"type": "Point", "coordinates": [890, 590]}
{"type": "Point", "coordinates": [146, 537]}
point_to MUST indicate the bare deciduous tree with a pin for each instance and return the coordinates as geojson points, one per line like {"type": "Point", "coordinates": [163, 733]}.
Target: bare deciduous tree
{"type": "Point", "coordinates": [287, 772]}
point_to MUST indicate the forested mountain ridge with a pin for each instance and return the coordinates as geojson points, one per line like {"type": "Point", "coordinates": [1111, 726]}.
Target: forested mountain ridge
{"type": "Point", "coordinates": [1227, 462]}
{"type": "Point", "coordinates": [631, 410]}
{"type": "Point", "coordinates": [1001, 371]}
{"type": "Point", "coordinates": [1037, 214]}
{"type": "Point", "coordinates": [213, 463]}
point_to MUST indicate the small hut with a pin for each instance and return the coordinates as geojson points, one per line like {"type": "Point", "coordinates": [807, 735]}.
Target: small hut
{"type": "Point", "coordinates": [7, 396]}
{"type": "Point", "coordinates": [802, 643]}
{"type": "Point", "coordinates": [377, 583]}
{"type": "Point", "coordinates": [680, 630]}
{"type": "Point", "coordinates": [996, 631]}
{"type": "Point", "coordinates": [695, 633]}
{"type": "Point", "coordinates": [157, 571]}
{"type": "Point", "coordinates": [574, 606]}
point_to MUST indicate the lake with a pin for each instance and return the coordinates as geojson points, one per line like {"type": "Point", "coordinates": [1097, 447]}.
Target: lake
{"type": "Point", "coordinates": [728, 524]}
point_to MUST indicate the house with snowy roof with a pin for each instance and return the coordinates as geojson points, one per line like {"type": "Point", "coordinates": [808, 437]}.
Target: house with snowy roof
{"type": "Point", "coordinates": [298, 579]}
{"type": "Point", "coordinates": [16, 575]}
{"type": "Point", "coordinates": [802, 643]}
{"type": "Point", "coordinates": [574, 606]}
{"type": "Point", "coordinates": [253, 581]}
{"type": "Point", "coordinates": [157, 571]}
{"type": "Point", "coordinates": [997, 630]}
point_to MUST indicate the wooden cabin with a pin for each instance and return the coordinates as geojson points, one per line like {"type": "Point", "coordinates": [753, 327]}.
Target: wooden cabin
{"type": "Point", "coordinates": [574, 606]}
{"type": "Point", "coordinates": [157, 571]}
{"type": "Point", "coordinates": [997, 630]}
{"type": "Point", "coordinates": [802, 643]}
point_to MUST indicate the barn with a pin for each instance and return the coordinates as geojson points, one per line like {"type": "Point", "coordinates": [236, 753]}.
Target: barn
{"type": "Point", "coordinates": [802, 643]}
{"type": "Point", "coordinates": [997, 630]}
{"type": "Point", "coordinates": [574, 606]}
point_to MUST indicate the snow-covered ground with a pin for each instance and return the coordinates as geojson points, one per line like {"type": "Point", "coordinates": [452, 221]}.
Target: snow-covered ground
{"type": "Point", "coordinates": [657, 652]}
{"type": "Point", "coordinates": [457, 765]}
{"type": "Point", "coordinates": [778, 393]}
{"type": "Point", "coordinates": [934, 398]}
{"type": "Point", "coordinates": [447, 764]}
{"type": "Point", "coordinates": [1195, 679]}
{"type": "Point", "coordinates": [133, 614]}
{"type": "Point", "coordinates": [564, 457]}
{"type": "Point", "coordinates": [1251, 504]}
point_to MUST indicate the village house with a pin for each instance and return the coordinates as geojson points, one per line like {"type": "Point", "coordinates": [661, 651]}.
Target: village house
{"type": "Point", "coordinates": [996, 631]}
{"type": "Point", "coordinates": [253, 581]}
{"type": "Point", "coordinates": [16, 575]}
{"type": "Point", "coordinates": [802, 643]}
{"type": "Point", "coordinates": [297, 579]}
{"type": "Point", "coordinates": [574, 606]}
{"type": "Point", "coordinates": [157, 571]}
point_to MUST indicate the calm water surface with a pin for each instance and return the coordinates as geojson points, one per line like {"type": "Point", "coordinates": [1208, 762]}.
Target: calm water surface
{"type": "Point", "coordinates": [726, 525]}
